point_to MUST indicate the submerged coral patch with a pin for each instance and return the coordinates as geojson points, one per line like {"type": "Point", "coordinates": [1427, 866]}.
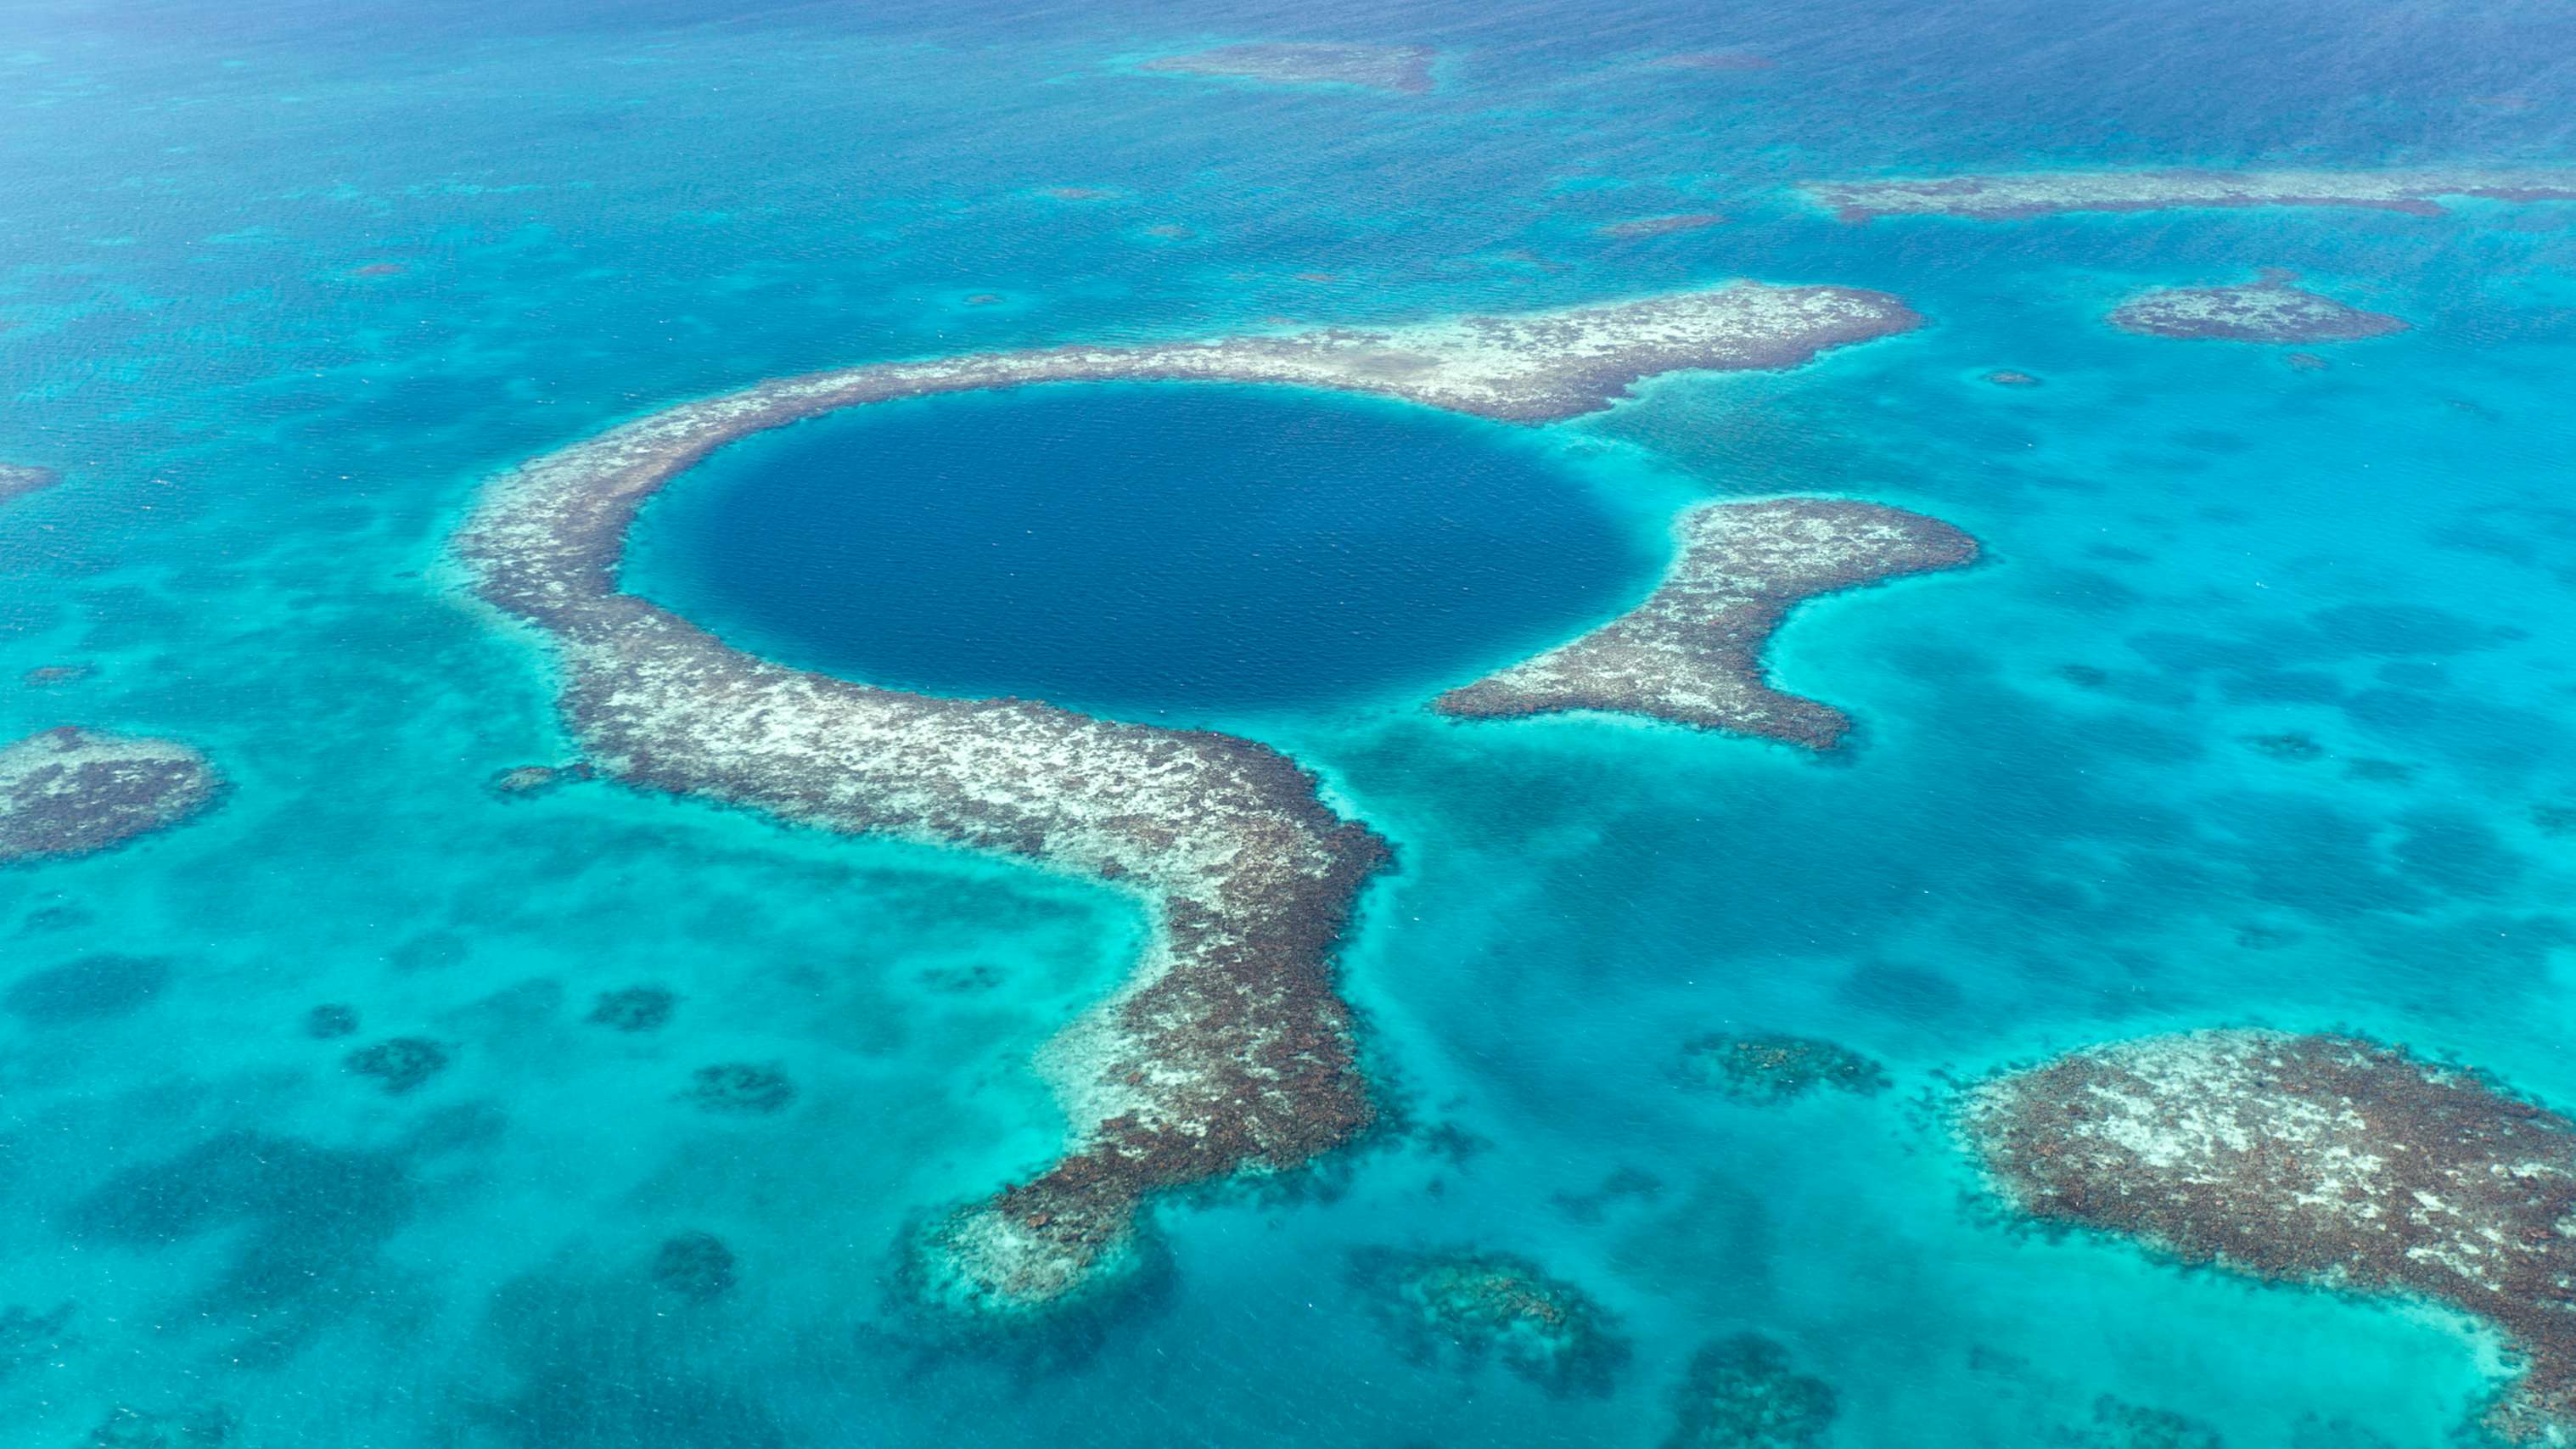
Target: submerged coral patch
{"type": "Point", "coordinates": [634, 1008]}
{"type": "Point", "coordinates": [2325, 1160]}
{"type": "Point", "coordinates": [2269, 310]}
{"type": "Point", "coordinates": [1692, 652]}
{"type": "Point", "coordinates": [695, 1265]}
{"type": "Point", "coordinates": [17, 480]}
{"type": "Point", "coordinates": [1767, 1069]}
{"type": "Point", "coordinates": [2038, 193]}
{"type": "Point", "coordinates": [1404, 69]}
{"type": "Point", "coordinates": [70, 791]}
{"type": "Point", "coordinates": [1471, 1306]}
{"type": "Point", "coordinates": [400, 1064]}
{"type": "Point", "coordinates": [1744, 1393]}
{"type": "Point", "coordinates": [741, 1089]}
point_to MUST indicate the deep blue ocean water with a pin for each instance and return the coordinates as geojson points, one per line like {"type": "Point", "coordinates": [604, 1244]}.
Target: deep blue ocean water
{"type": "Point", "coordinates": [1145, 549]}
{"type": "Point", "coordinates": [282, 284]}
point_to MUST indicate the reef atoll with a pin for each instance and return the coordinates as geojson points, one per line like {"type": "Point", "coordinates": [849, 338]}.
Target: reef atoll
{"type": "Point", "coordinates": [2324, 1160]}
{"type": "Point", "coordinates": [70, 791]}
{"type": "Point", "coordinates": [2269, 310]}
{"type": "Point", "coordinates": [1471, 1306]}
{"type": "Point", "coordinates": [1743, 1393]}
{"type": "Point", "coordinates": [1767, 1069]}
{"type": "Point", "coordinates": [1692, 652]}
{"type": "Point", "coordinates": [2039, 193]}
{"type": "Point", "coordinates": [1405, 69]}
{"type": "Point", "coordinates": [1228, 1048]}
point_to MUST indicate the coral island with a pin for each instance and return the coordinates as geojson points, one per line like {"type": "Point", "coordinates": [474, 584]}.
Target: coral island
{"type": "Point", "coordinates": [2269, 310]}
{"type": "Point", "coordinates": [1475, 1305]}
{"type": "Point", "coordinates": [1692, 652]}
{"type": "Point", "coordinates": [1228, 1048]}
{"type": "Point", "coordinates": [1766, 1070]}
{"type": "Point", "coordinates": [70, 791]}
{"type": "Point", "coordinates": [1405, 69]}
{"type": "Point", "coordinates": [2039, 193]}
{"type": "Point", "coordinates": [1743, 1393]}
{"type": "Point", "coordinates": [2324, 1160]}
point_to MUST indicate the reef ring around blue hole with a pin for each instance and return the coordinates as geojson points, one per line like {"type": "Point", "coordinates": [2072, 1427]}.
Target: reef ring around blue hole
{"type": "Point", "coordinates": [1142, 550]}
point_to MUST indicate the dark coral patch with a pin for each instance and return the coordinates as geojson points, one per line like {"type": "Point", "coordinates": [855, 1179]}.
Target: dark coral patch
{"type": "Point", "coordinates": [1766, 1069]}
{"type": "Point", "coordinates": [697, 1266]}
{"type": "Point", "coordinates": [634, 1008]}
{"type": "Point", "coordinates": [331, 1020]}
{"type": "Point", "coordinates": [1744, 1393]}
{"type": "Point", "coordinates": [741, 1088]}
{"type": "Point", "coordinates": [1472, 1306]}
{"type": "Point", "coordinates": [400, 1064]}
{"type": "Point", "coordinates": [520, 781]}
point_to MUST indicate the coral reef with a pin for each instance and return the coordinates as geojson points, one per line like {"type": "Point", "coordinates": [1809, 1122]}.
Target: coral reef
{"type": "Point", "coordinates": [697, 1266]}
{"type": "Point", "coordinates": [2039, 193]}
{"type": "Point", "coordinates": [71, 791]}
{"type": "Point", "coordinates": [1404, 69]}
{"type": "Point", "coordinates": [741, 1089]}
{"type": "Point", "coordinates": [1477, 1305]}
{"type": "Point", "coordinates": [1692, 652]}
{"type": "Point", "coordinates": [1765, 1070]}
{"type": "Point", "coordinates": [2290, 746]}
{"type": "Point", "coordinates": [1659, 225]}
{"type": "Point", "coordinates": [331, 1021]}
{"type": "Point", "coordinates": [1228, 1048]}
{"type": "Point", "coordinates": [399, 1064]}
{"type": "Point", "coordinates": [45, 676]}
{"type": "Point", "coordinates": [1717, 60]}
{"type": "Point", "coordinates": [2006, 377]}
{"type": "Point", "coordinates": [17, 480]}
{"type": "Point", "coordinates": [525, 780]}
{"type": "Point", "coordinates": [1743, 1393]}
{"type": "Point", "coordinates": [633, 1008]}
{"type": "Point", "coordinates": [2324, 1160]}
{"type": "Point", "coordinates": [2119, 1424]}
{"type": "Point", "coordinates": [2269, 310]}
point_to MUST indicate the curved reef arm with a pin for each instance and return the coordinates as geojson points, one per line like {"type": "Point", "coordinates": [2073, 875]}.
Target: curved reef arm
{"type": "Point", "coordinates": [2041, 193]}
{"type": "Point", "coordinates": [1228, 1049]}
{"type": "Point", "coordinates": [2323, 1160]}
{"type": "Point", "coordinates": [1692, 652]}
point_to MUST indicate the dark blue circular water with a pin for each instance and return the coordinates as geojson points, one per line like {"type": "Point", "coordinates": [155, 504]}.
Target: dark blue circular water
{"type": "Point", "coordinates": [1141, 548]}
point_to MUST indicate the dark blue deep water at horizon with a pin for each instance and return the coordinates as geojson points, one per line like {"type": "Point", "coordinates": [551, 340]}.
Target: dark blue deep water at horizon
{"type": "Point", "coordinates": [2256, 711]}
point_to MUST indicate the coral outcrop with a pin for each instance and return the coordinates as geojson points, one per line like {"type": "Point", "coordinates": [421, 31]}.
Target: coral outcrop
{"type": "Point", "coordinates": [71, 791]}
{"type": "Point", "coordinates": [2325, 1160]}
{"type": "Point", "coordinates": [1692, 652]}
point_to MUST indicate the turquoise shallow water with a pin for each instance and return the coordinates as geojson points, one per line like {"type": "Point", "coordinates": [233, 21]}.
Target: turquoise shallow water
{"type": "Point", "coordinates": [283, 286]}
